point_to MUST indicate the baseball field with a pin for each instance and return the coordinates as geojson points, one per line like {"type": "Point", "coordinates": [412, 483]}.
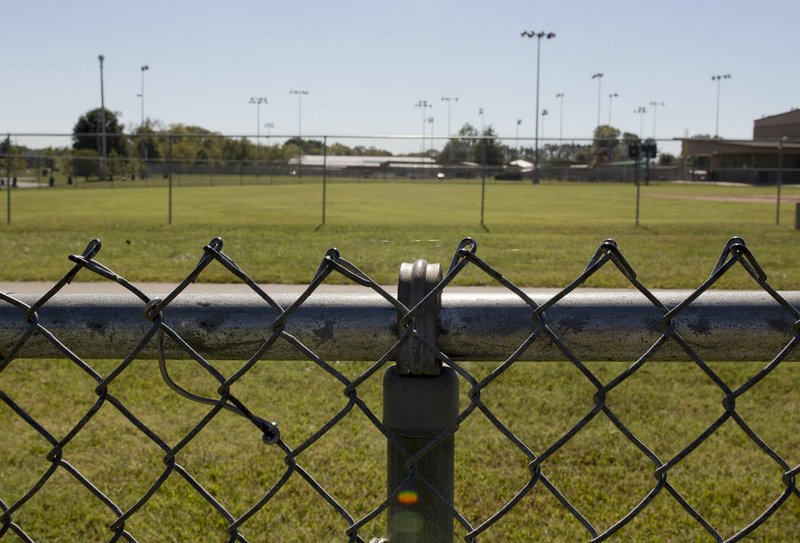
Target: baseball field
{"type": "Point", "coordinates": [536, 236]}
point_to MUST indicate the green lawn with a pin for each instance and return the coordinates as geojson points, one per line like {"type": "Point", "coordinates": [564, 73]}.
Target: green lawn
{"type": "Point", "coordinates": [536, 236]}
{"type": "Point", "coordinates": [728, 479]}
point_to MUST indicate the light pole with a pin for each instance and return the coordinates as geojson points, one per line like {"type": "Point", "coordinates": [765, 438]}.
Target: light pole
{"type": "Point", "coordinates": [560, 96]}
{"type": "Point", "coordinates": [538, 36]}
{"type": "Point", "coordinates": [718, 79]}
{"type": "Point", "coordinates": [424, 105]}
{"type": "Point", "coordinates": [610, 97]}
{"type": "Point", "coordinates": [449, 100]}
{"type": "Point", "coordinates": [599, 77]}
{"type": "Point", "coordinates": [258, 100]}
{"type": "Point", "coordinates": [430, 121]}
{"type": "Point", "coordinates": [101, 58]}
{"type": "Point", "coordinates": [641, 110]}
{"type": "Point", "coordinates": [655, 106]}
{"type": "Point", "coordinates": [269, 126]}
{"type": "Point", "coordinates": [144, 68]}
{"type": "Point", "coordinates": [544, 114]}
{"type": "Point", "coordinates": [519, 154]}
{"type": "Point", "coordinates": [143, 148]}
{"type": "Point", "coordinates": [300, 94]}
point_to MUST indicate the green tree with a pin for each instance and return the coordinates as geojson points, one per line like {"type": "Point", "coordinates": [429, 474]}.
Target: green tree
{"type": "Point", "coordinates": [606, 139]}
{"type": "Point", "coordinates": [360, 150]}
{"type": "Point", "coordinates": [18, 164]}
{"type": "Point", "coordinates": [145, 143]}
{"type": "Point", "coordinates": [460, 149]}
{"type": "Point", "coordinates": [86, 134]}
{"type": "Point", "coordinates": [494, 155]}
{"type": "Point", "coordinates": [85, 163]}
{"type": "Point", "coordinates": [338, 149]}
{"type": "Point", "coordinates": [665, 159]}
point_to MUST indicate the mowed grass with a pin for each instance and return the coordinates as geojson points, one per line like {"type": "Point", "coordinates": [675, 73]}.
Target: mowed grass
{"type": "Point", "coordinates": [537, 236]}
{"type": "Point", "coordinates": [728, 479]}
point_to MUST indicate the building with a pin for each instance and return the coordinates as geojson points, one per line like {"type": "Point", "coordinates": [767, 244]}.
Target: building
{"type": "Point", "coordinates": [772, 154]}
{"type": "Point", "coordinates": [775, 127]}
{"type": "Point", "coordinates": [379, 167]}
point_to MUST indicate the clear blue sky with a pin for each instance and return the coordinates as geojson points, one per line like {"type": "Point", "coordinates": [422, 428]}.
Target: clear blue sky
{"type": "Point", "coordinates": [366, 64]}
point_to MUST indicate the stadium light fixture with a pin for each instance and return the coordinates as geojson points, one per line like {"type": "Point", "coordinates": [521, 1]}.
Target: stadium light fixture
{"type": "Point", "coordinates": [300, 94]}
{"type": "Point", "coordinates": [544, 114]}
{"type": "Point", "coordinates": [641, 110]}
{"type": "Point", "coordinates": [102, 58]}
{"type": "Point", "coordinates": [655, 106]}
{"type": "Point", "coordinates": [143, 69]}
{"type": "Point", "coordinates": [258, 100]}
{"type": "Point", "coordinates": [449, 99]}
{"type": "Point", "coordinates": [538, 36]}
{"type": "Point", "coordinates": [610, 97]}
{"type": "Point", "coordinates": [599, 77]}
{"type": "Point", "coordinates": [560, 96]}
{"type": "Point", "coordinates": [424, 104]}
{"type": "Point", "coordinates": [718, 79]}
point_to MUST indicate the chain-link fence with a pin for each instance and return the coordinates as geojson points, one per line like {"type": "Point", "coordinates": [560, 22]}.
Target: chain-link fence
{"type": "Point", "coordinates": [148, 158]}
{"type": "Point", "coordinates": [434, 336]}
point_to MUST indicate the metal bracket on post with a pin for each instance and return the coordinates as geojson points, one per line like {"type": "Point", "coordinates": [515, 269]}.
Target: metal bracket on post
{"type": "Point", "coordinates": [420, 402]}
{"type": "Point", "coordinates": [417, 280]}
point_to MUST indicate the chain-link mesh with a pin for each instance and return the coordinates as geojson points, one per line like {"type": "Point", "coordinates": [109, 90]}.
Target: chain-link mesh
{"type": "Point", "coordinates": [54, 447]}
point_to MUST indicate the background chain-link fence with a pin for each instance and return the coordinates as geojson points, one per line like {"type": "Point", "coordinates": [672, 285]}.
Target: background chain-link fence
{"type": "Point", "coordinates": [42, 329]}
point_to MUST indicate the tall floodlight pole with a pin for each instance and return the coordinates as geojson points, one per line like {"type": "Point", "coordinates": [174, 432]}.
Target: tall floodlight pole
{"type": "Point", "coordinates": [640, 111]}
{"type": "Point", "coordinates": [449, 100]}
{"type": "Point", "coordinates": [300, 94]}
{"type": "Point", "coordinates": [655, 106]}
{"type": "Point", "coordinates": [424, 105]}
{"type": "Point", "coordinates": [430, 121]}
{"type": "Point", "coordinates": [718, 79]}
{"type": "Point", "coordinates": [143, 148]}
{"type": "Point", "coordinates": [144, 68]}
{"type": "Point", "coordinates": [519, 154]}
{"type": "Point", "coordinates": [538, 36]}
{"type": "Point", "coordinates": [611, 97]}
{"type": "Point", "coordinates": [560, 96]}
{"type": "Point", "coordinates": [599, 77]}
{"type": "Point", "coordinates": [258, 100]}
{"type": "Point", "coordinates": [544, 114]}
{"type": "Point", "coordinates": [101, 58]}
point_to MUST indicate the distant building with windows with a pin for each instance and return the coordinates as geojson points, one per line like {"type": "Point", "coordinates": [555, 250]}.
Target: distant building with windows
{"type": "Point", "coordinates": [774, 151]}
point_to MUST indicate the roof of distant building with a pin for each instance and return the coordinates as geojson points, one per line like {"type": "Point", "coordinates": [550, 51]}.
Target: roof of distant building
{"type": "Point", "coordinates": [339, 162]}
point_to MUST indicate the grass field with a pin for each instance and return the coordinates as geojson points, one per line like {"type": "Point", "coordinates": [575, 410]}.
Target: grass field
{"type": "Point", "coordinates": [537, 236]}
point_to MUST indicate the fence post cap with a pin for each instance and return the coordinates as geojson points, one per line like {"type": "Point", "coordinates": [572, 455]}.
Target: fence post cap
{"type": "Point", "coordinates": [416, 281]}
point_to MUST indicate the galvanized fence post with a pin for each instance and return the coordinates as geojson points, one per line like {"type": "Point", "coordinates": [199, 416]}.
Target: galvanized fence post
{"type": "Point", "coordinates": [8, 180]}
{"type": "Point", "coordinates": [420, 401]}
{"type": "Point", "coordinates": [169, 175]}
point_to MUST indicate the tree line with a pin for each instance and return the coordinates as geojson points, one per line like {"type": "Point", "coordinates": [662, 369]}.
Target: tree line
{"type": "Point", "coordinates": [99, 131]}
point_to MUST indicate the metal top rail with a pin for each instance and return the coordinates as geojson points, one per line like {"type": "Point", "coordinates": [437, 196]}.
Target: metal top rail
{"type": "Point", "coordinates": [597, 324]}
